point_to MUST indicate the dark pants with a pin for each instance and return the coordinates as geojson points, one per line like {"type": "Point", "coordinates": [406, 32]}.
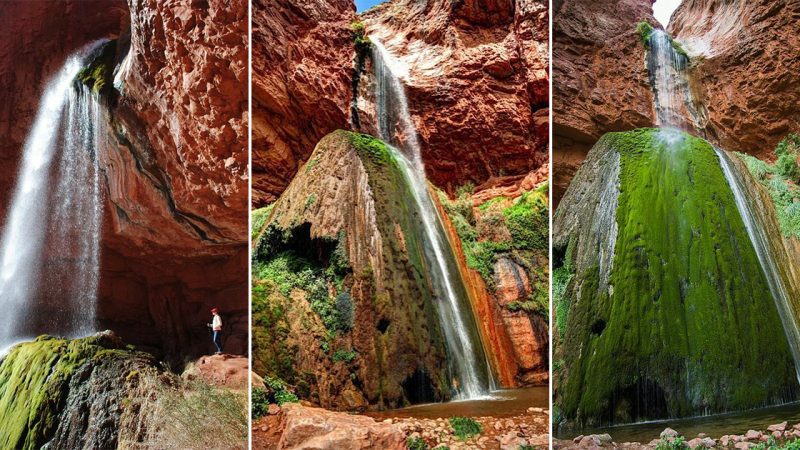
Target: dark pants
{"type": "Point", "coordinates": [216, 338]}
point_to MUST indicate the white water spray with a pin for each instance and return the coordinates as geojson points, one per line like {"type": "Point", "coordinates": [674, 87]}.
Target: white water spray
{"type": "Point", "coordinates": [760, 240]}
{"type": "Point", "coordinates": [50, 240]}
{"type": "Point", "coordinates": [466, 354]}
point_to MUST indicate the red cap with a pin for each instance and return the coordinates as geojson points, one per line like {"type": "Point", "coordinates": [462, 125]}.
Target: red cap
{"type": "Point", "coordinates": [214, 310]}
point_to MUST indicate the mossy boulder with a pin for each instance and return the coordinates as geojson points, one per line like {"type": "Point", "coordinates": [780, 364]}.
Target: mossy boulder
{"type": "Point", "coordinates": [345, 275]}
{"type": "Point", "coordinates": [65, 393]}
{"type": "Point", "coordinates": [668, 312]}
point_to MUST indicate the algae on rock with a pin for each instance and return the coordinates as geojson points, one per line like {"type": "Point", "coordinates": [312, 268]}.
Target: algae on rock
{"type": "Point", "coordinates": [670, 325]}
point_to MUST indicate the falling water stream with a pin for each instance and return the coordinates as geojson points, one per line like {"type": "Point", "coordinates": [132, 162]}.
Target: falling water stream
{"type": "Point", "coordinates": [466, 355]}
{"type": "Point", "coordinates": [50, 240]}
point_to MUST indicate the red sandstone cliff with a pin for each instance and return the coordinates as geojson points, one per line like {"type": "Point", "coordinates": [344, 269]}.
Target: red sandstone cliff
{"type": "Point", "coordinates": [745, 61]}
{"type": "Point", "coordinates": [477, 84]}
{"type": "Point", "coordinates": [174, 165]}
{"type": "Point", "coordinates": [302, 67]}
{"type": "Point", "coordinates": [600, 78]}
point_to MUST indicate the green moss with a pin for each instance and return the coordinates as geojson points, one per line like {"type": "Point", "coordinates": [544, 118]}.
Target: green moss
{"type": "Point", "coordinates": [33, 385]}
{"type": "Point", "coordinates": [562, 275]}
{"type": "Point", "coordinates": [528, 221]}
{"type": "Point", "coordinates": [259, 218]}
{"type": "Point", "coordinates": [684, 275]}
{"type": "Point", "coordinates": [310, 200]}
{"type": "Point", "coordinates": [645, 31]}
{"type": "Point", "coordinates": [98, 74]}
{"type": "Point", "coordinates": [678, 48]}
{"type": "Point", "coordinates": [372, 148]}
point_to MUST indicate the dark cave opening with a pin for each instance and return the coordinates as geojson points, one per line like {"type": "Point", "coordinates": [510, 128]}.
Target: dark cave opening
{"type": "Point", "coordinates": [418, 388]}
{"type": "Point", "coordinates": [643, 400]}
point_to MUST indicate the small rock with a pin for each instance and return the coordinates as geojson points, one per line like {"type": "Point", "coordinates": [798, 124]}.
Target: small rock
{"type": "Point", "coordinates": [604, 438]}
{"type": "Point", "coordinates": [702, 435]}
{"type": "Point", "coordinates": [577, 439]}
{"type": "Point", "coordinates": [389, 421]}
{"type": "Point", "coordinates": [265, 428]}
{"type": "Point", "coordinates": [777, 434]}
{"type": "Point", "coordinates": [778, 427]}
{"type": "Point", "coordinates": [742, 445]}
{"type": "Point", "coordinates": [654, 442]}
{"type": "Point", "coordinates": [752, 435]}
{"type": "Point", "coordinates": [669, 433]}
{"type": "Point", "coordinates": [273, 409]}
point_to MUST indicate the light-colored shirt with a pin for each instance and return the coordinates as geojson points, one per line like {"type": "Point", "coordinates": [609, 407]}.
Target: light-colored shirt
{"type": "Point", "coordinates": [216, 323]}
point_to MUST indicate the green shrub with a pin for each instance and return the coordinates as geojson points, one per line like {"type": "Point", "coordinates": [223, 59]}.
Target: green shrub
{"type": "Point", "coordinates": [787, 166]}
{"type": "Point", "coordinates": [645, 30]}
{"type": "Point", "coordinates": [342, 355]}
{"type": "Point", "coordinates": [678, 443]}
{"type": "Point", "coordinates": [345, 310]}
{"type": "Point", "coordinates": [528, 222]}
{"type": "Point", "coordinates": [278, 392]}
{"type": "Point", "coordinates": [415, 443]}
{"type": "Point", "coordinates": [782, 193]}
{"type": "Point", "coordinates": [360, 39]}
{"type": "Point", "coordinates": [464, 427]}
{"type": "Point", "coordinates": [789, 144]}
{"type": "Point", "coordinates": [259, 402]}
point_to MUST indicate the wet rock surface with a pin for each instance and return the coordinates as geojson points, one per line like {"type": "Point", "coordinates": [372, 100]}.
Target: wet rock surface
{"type": "Point", "coordinates": [477, 84]}
{"type": "Point", "coordinates": [745, 68]}
{"type": "Point", "coordinates": [602, 81]}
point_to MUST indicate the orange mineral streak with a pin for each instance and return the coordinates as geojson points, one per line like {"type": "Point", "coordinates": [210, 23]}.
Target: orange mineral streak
{"type": "Point", "coordinates": [496, 340]}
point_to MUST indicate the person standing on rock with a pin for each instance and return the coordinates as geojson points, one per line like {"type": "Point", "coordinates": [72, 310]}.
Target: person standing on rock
{"type": "Point", "coordinates": [216, 329]}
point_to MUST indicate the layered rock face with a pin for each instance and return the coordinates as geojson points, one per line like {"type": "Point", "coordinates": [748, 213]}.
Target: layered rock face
{"type": "Point", "coordinates": [477, 83]}
{"type": "Point", "coordinates": [602, 81]}
{"type": "Point", "coordinates": [501, 246]}
{"type": "Point", "coordinates": [302, 70]}
{"type": "Point", "coordinates": [173, 157]}
{"type": "Point", "coordinates": [746, 67]}
{"type": "Point", "coordinates": [342, 308]}
{"type": "Point", "coordinates": [642, 300]}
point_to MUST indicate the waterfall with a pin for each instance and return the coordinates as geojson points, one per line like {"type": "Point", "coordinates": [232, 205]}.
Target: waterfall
{"type": "Point", "coordinates": [466, 356]}
{"type": "Point", "coordinates": [674, 104]}
{"type": "Point", "coordinates": [760, 240]}
{"type": "Point", "coordinates": [50, 239]}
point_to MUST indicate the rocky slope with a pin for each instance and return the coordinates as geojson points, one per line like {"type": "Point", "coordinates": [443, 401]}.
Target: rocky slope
{"type": "Point", "coordinates": [72, 393]}
{"type": "Point", "coordinates": [641, 300]}
{"type": "Point", "coordinates": [602, 81]}
{"type": "Point", "coordinates": [356, 327]}
{"type": "Point", "coordinates": [476, 80]}
{"type": "Point", "coordinates": [302, 67]}
{"type": "Point", "coordinates": [744, 62]}
{"type": "Point", "coordinates": [173, 158]}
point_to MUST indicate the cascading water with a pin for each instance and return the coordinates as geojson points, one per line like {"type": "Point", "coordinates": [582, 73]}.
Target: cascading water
{"type": "Point", "coordinates": [763, 250]}
{"type": "Point", "coordinates": [50, 241]}
{"type": "Point", "coordinates": [467, 358]}
{"type": "Point", "coordinates": [675, 106]}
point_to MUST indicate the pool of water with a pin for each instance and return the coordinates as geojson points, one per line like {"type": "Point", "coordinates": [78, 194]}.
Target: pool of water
{"type": "Point", "coordinates": [503, 403]}
{"type": "Point", "coordinates": [714, 426]}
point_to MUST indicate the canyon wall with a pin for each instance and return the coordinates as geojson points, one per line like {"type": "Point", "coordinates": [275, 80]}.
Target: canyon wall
{"type": "Point", "coordinates": [476, 77]}
{"type": "Point", "coordinates": [744, 60]}
{"type": "Point", "coordinates": [173, 159]}
{"type": "Point", "coordinates": [601, 78]}
{"type": "Point", "coordinates": [302, 67]}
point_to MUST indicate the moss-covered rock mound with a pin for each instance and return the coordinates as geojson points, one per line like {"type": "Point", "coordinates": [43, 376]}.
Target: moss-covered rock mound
{"type": "Point", "coordinates": [662, 307]}
{"type": "Point", "coordinates": [342, 305]}
{"type": "Point", "coordinates": [66, 393]}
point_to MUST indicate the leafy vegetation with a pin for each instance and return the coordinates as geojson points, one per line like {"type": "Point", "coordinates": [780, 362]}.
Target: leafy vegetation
{"type": "Point", "coordinates": [778, 182]}
{"type": "Point", "coordinates": [360, 38]}
{"type": "Point", "coordinates": [342, 355]}
{"type": "Point", "coordinates": [415, 443]}
{"type": "Point", "coordinates": [259, 219]}
{"type": "Point", "coordinates": [677, 443]}
{"type": "Point", "coordinates": [645, 31]}
{"type": "Point", "coordinates": [465, 427]}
